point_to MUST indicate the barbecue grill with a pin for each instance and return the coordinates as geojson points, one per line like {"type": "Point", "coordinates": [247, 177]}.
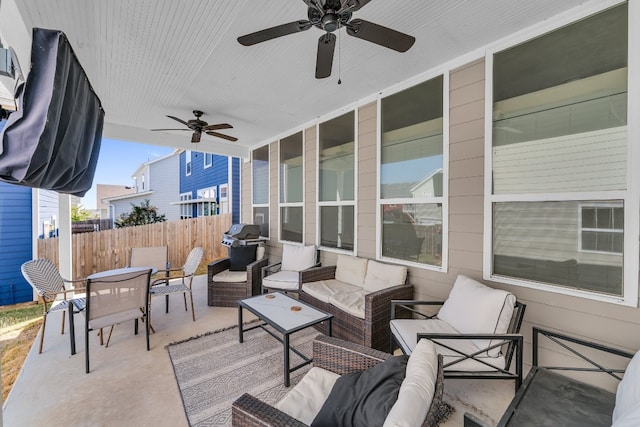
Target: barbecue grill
{"type": "Point", "coordinates": [241, 235]}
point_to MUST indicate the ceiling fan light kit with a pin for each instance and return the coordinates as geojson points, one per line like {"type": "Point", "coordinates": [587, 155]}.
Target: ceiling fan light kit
{"type": "Point", "coordinates": [329, 17]}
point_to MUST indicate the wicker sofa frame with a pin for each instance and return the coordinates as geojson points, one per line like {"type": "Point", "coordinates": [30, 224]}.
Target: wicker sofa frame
{"type": "Point", "coordinates": [372, 331]}
{"type": "Point", "coordinates": [335, 355]}
{"type": "Point", "coordinates": [226, 294]}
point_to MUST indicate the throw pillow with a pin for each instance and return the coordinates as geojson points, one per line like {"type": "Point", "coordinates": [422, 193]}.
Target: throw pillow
{"type": "Point", "coordinates": [474, 308]}
{"type": "Point", "coordinates": [241, 256]}
{"type": "Point", "coordinates": [363, 398]}
{"type": "Point", "coordinates": [627, 409]}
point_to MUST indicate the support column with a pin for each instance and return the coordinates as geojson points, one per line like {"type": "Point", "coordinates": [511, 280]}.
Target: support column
{"type": "Point", "coordinates": [64, 241]}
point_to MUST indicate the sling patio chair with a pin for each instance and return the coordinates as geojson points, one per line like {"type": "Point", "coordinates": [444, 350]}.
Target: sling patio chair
{"type": "Point", "coordinates": [46, 280]}
{"type": "Point", "coordinates": [155, 257]}
{"type": "Point", "coordinates": [113, 297]}
{"type": "Point", "coordinates": [166, 287]}
{"type": "Point", "coordinates": [476, 330]}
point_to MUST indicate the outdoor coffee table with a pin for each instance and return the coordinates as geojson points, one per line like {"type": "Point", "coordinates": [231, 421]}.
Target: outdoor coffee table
{"type": "Point", "coordinates": [286, 315]}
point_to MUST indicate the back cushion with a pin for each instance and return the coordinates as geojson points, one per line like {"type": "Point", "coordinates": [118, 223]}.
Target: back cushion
{"type": "Point", "coordinates": [417, 389]}
{"type": "Point", "coordinates": [627, 409]}
{"type": "Point", "coordinates": [260, 252]}
{"type": "Point", "coordinates": [351, 270]}
{"type": "Point", "coordinates": [298, 258]}
{"type": "Point", "coordinates": [381, 276]}
{"type": "Point", "coordinates": [474, 308]}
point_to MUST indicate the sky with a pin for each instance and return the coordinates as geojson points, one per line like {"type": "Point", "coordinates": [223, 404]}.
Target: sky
{"type": "Point", "coordinates": [117, 162]}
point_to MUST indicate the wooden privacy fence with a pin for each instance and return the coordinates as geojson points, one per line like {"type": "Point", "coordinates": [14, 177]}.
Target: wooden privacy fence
{"type": "Point", "coordinates": [105, 250]}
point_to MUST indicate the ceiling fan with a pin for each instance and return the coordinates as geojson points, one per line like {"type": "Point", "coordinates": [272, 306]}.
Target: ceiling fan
{"type": "Point", "coordinates": [200, 126]}
{"type": "Point", "coordinates": [330, 16]}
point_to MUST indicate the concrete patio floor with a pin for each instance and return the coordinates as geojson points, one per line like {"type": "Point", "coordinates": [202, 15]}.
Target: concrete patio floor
{"type": "Point", "coordinates": [129, 386]}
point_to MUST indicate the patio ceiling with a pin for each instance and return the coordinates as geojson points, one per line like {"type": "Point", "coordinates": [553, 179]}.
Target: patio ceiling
{"type": "Point", "coordinates": [152, 58]}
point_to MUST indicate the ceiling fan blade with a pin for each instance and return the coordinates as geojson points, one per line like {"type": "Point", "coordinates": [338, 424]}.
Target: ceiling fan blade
{"type": "Point", "coordinates": [196, 137]}
{"type": "Point", "coordinates": [324, 60]}
{"type": "Point", "coordinates": [219, 135]}
{"type": "Point", "coordinates": [179, 120]}
{"type": "Point", "coordinates": [352, 5]}
{"type": "Point", "coordinates": [169, 129]}
{"type": "Point", "coordinates": [380, 35]}
{"type": "Point", "coordinates": [274, 32]}
{"type": "Point", "coordinates": [218, 126]}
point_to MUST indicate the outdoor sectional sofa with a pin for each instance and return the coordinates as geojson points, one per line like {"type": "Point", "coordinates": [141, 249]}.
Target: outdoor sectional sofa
{"type": "Point", "coordinates": [358, 292]}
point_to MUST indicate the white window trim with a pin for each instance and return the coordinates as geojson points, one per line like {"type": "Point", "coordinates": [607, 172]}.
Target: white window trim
{"type": "Point", "coordinates": [432, 200]}
{"type": "Point", "coordinates": [188, 164]}
{"type": "Point", "coordinates": [207, 165]}
{"type": "Point", "coordinates": [262, 205]}
{"type": "Point", "coordinates": [353, 202]}
{"type": "Point", "coordinates": [292, 204]}
{"type": "Point", "coordinates": [183, 207]}
{"type": "Point", "coordinates": [630, 197]}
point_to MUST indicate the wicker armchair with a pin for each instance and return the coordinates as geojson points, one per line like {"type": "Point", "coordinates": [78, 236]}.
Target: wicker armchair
{"type": "Point", "coordinates": [337, 356]}
{"type": "Point", "coordinates": [372, 331]}
{"type": "Point", "coordinates": [227, 293]}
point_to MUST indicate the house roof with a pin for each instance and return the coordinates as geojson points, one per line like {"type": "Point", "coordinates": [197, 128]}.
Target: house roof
{"type": "Point", "coordinates": [127, 196]}
{"type": "Point", "coordinates": [149, 60]}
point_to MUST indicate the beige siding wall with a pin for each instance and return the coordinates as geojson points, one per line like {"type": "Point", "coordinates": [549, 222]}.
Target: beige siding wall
{"type": "Point", "coordinates": [603, 322]}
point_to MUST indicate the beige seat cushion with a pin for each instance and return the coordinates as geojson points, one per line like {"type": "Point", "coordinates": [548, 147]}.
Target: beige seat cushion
{"type": "Point", "coordinates": [303, 402]}
{"type": "Point", "coordinates": [474, 308]}
{"type": "Point", "coordinates": [351, 302]}
{"type": "Point", "coordinates": [297, 258]}
{"type": "Point", "coordinates": [417, 389]}
{"type": "Point", "coordinates": [230, 276]}
{"type": "Point", "coordinates": [381, 276]}
{"type": "Point", "coordinates": [351, 270]}
{"type": "Point", "coordinates": [282, 280]}
{"type": "Point", "coordinates": [324, 289]}
{"type": "Point", "coordinates": [406, 332]}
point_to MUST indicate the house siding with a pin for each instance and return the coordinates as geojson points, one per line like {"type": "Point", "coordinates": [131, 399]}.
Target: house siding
{"type": "Point", "coordinates": [15, 242]}
{"type": "Point", "coordinates": [608, 323]}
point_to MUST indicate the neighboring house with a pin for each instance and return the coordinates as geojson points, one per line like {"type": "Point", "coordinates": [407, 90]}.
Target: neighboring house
{"type": "Point", "coordinates": [155, 181]}
{"type": "Point", "coordinates": [209, 185]}
{"type": "Point", "coordinates": [107, 191]}
{"type": "Point", "coordinates": [24, 211]}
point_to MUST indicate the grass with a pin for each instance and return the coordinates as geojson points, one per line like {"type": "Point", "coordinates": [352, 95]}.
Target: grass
{"type": "Point", "coordinates": [25, 319]}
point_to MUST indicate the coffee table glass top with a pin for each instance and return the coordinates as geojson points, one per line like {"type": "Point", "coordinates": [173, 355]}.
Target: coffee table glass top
{"type": "Point", "coordinates": [277, 307]}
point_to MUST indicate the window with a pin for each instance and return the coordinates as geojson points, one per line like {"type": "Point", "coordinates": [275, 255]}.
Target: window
{"type": "Point", "coordinates": [208, 160]}
{"type": "Point", "coordinates": [602, 228]}
{"type": "Point", "coordinates": [186, 209]}
{"type": "Point", "coordinates": [260, 193]}
{"type": "Point", "coordinates": [187, 162]}
{"type": "Point", "coordinates": [336, 182]}
{"type": "Point", "coordinates": [206, 201]}
{"type": "Point", "coordinates": [291, 188]}
{"type": "Point", "coordinates": [224, 198]}
{"type": "Point", "coordinates": [559, 148]}
{"type": "Point", "coordinates": [412, 174]}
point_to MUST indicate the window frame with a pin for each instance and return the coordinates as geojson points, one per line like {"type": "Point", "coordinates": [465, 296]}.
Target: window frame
{"type": "Point", "coordinates": [443, 200]}
{"type": "Point", "coordinates": [187, 163]}
{"type": "Point", "coordinates": [208, 164]}
{"type": "Point", "coordinates": [321, 204]}
{"type": "Point", "coordinates": [291, 204]}
{"type": "Point", "coordinates": [630, 197]}
{"type": "Point", "coordinates": [268, 203]}
{"type": "Point", "coordinates": [186, 209]}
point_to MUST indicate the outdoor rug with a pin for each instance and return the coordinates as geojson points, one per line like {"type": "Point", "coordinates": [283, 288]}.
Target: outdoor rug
{"type": "Point", "coordinates": [214, 369]}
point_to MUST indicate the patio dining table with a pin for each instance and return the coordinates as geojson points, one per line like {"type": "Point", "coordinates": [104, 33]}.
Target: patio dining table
{"type": "Point", "coordinates": [78, 305]}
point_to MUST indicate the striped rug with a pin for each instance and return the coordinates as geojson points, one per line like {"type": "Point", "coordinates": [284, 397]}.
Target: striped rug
{"type": "Point", "coordinates": [214, 369]}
